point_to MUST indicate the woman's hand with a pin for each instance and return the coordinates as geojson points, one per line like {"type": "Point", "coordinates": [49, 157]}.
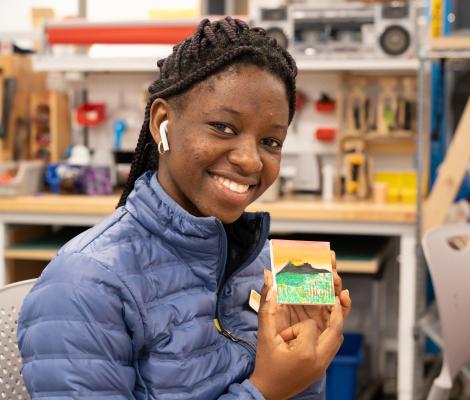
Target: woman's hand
{"type": "Point", "coordinates": [343, 295]}
{"type": "Point", "coordinates": [290, 360]}
{"type": "Point", "coordinates": [288, 314]}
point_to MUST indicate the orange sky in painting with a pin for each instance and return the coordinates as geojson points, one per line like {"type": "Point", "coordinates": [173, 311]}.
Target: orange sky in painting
{"type": "Point", "coordinates": [298, 252]}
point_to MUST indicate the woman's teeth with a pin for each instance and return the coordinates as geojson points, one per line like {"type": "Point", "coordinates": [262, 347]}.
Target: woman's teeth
{"type": "Point", "coordinates": [233, 186]}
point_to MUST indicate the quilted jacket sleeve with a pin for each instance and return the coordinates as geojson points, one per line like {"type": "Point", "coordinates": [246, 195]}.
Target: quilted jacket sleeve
{"type": "Point", "coordinates": [313, 392]}
{"type": "Point", "coordinates": [247, 391]}
{"type": "Point", "coordinates": [242, 391]}
{"type": "Point", "coordinates": [72, 333]}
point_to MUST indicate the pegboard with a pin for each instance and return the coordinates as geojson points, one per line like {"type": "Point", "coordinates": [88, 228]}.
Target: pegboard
{"type": "Point", "coordinates": [301, 149]}
{"type": "Point", "coordinates": [124, 97]}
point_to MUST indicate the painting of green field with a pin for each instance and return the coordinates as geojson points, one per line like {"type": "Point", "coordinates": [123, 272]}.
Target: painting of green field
{"type": "Point", "coordinates": [295, 288]}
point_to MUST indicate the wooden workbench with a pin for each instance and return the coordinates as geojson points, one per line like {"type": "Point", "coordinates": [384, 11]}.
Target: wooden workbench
{"type": "Point", "coordinates": [287, 215]}
{"type": "Point", "coordinates": [298, 208]}
{"type": "Point", "coordinates": [61, 208]}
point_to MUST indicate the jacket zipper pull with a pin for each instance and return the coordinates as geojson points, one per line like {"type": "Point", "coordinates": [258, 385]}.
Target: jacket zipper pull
{"type": "Point", "coordinates": [229, 335]}
{"type": "Point", "coordinates": [224, 331]}
{"type": "Point", "coordinates": [232, 337]}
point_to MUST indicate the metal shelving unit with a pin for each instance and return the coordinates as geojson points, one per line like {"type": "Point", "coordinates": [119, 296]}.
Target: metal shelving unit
{"type": "Point", "coordinates": [426, 58]}
{"type": "Point", "coordinates": [359, 64]}
{"type": "Point", "coordinates": [83, 63]}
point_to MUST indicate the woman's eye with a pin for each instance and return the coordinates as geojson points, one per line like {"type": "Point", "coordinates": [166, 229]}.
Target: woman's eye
{"type": "Point", "coordinates": [272, 143]}
{"type": "Point", "coordinates": [223, 128]}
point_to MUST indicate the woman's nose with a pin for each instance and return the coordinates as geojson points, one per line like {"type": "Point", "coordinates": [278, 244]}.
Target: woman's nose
{"type": "Point", "coordinates": [246, 156]}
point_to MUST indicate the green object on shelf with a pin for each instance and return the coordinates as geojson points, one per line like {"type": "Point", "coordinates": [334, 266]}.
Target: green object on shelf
{"type": "Point", "coordinates": [389, 118]}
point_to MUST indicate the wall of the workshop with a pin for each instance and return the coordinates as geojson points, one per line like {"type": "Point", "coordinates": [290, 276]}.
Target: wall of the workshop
{"type": "Point", "coordinates": [124, 97]}
{"type": "Point", "coordinates": [140, 9]}
{"type": "Point", "coordinates": [16, 15]}
{"type": "Point", "coordinates": [301, 149]}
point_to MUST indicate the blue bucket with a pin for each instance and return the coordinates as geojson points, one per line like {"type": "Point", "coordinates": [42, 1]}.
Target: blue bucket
{"type": "Point", "coordinates": [341, 376]}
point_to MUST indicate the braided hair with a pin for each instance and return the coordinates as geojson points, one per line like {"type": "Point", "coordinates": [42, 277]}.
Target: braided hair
{"type": "Point", "coordinates": [214, 46]}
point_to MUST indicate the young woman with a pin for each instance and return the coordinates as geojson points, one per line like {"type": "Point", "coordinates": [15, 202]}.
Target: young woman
{"type": "Point", "coordinates": [152, 303]}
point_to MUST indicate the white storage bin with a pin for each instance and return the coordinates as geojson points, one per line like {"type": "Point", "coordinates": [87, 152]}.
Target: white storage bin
{"type": "Point", "coordinates": [28, 179]}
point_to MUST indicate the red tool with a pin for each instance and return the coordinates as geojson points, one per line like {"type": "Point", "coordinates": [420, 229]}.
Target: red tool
{"type": "Point", "coordinates": [325, 104]}
{"type": "Point", "coordinates": [300, 100]}
{"type": "Point", "coordinates": [90, 114]}
{"type": "Point", "coordinates": [325, 134]}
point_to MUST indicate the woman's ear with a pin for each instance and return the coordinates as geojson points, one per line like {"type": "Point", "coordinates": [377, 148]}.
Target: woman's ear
{"type": "Point", "coordinates": [159, 112]}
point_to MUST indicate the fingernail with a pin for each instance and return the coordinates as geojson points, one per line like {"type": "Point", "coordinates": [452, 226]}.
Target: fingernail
{"type": "Point", "coordinates": [265, 276]}
{"type": "Point", "coordinates": [270, 294]}
{"type": "Point", "coordinates": [347, 291]}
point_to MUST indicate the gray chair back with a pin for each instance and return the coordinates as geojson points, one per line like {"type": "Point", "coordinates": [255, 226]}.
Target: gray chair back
{"type": "Point", "coordinates": [11, 381]}
{"type": "Point", "coordinates": [447, 251]}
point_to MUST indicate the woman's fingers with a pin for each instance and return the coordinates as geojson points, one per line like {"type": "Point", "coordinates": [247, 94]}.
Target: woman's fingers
{"type": "Point", "coordinates": [338, 283]}
{"type": "Point", "coordinates": [346, 303]}
{"type": "Point", "coordinates": [298, 312]}
{"type": "Point", "coordinates": [331, 339]}
{"type": "Point", "coordinates": [267, 309]}
{"type": "Point", "coordinates": [288, 334]}
{"type": "Point", "coordinates": [320, 314]}
{"type": "Point", "coordinates": [336, 278]}
{"type": "Point", "coordinates": [305, 332]}
{"type": "Point", "coordinates": [268, 277]}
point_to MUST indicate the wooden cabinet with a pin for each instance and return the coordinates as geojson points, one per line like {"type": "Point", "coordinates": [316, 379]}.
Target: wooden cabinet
{"type": "Point", "coordinates": [23, 260]}
{"type": "Point", "coordinates": [17, 81]}
{"type": "Point", "coordinates": [29, 248]}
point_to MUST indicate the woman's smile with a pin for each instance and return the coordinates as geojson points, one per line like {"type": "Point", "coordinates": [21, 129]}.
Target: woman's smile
{"type": "Point", "coordinates": [231, 185]}
{"type": "Point", "coordinates": [231, 192]}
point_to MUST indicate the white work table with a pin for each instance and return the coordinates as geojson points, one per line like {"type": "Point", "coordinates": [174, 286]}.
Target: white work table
{"type": "Point", "coordinates": [302, 215]}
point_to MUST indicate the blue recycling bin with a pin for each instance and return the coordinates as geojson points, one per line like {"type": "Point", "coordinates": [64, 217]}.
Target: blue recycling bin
{"type": "Point", "coordinates": [341, 376]}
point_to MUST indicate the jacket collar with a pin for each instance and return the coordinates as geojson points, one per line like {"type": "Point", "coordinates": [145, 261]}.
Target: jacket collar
{"type": "Point", "coordinates": [153, 208]}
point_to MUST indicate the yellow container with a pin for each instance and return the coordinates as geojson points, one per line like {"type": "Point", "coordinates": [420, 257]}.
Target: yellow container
{"type": "Point", "coordinates": [402, 185]}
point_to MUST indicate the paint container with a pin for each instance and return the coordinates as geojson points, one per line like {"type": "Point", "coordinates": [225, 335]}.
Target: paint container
{"type": "Point", "coordinates": [328, 182]}
{"type": "Point", "coordinates": [380, 192]}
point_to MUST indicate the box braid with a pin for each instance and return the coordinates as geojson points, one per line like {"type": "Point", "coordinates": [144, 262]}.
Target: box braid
{"type": "Point", "coordinates": [213, 47]}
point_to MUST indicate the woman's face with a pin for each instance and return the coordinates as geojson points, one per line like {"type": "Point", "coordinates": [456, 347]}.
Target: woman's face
{"type": "Point", "coordinates": [225, 141]}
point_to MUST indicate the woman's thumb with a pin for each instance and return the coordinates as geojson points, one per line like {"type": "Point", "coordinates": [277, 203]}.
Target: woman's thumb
{"type": "Point", "coordinates": [306, 329]}
{"type": "Point", "coordinates": [267, 308]}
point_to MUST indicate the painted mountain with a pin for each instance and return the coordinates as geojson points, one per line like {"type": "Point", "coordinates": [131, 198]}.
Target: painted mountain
{"type": "Point", "coordinates": [305, 275]}
{"type": "Point", "coordinates": [305, 268]}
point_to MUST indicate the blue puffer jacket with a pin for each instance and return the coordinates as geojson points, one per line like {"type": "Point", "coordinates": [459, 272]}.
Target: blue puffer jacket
{"type": "Point", "coordinates": [126, 309]}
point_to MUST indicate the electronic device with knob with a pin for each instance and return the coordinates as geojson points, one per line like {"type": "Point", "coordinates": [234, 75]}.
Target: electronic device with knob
{"type": "Point", "coordinates": [348, 28]}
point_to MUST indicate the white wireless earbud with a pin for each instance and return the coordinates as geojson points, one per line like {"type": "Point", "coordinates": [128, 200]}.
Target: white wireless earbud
{"type": "Point", "coordinates": [163, 136]}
